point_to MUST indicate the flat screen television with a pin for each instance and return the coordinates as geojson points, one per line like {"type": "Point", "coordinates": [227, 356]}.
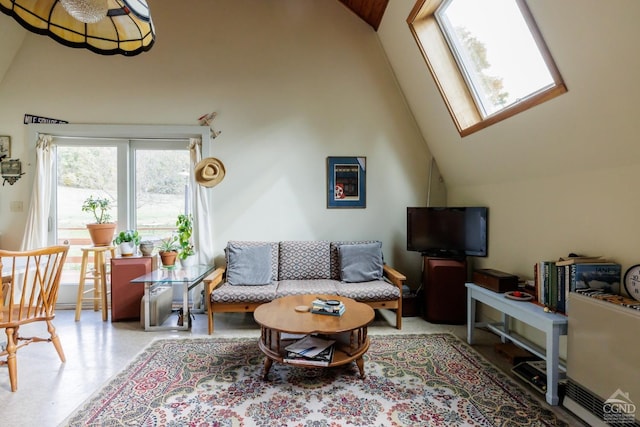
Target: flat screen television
{"type": "Point", "coordinates": [448, 232]}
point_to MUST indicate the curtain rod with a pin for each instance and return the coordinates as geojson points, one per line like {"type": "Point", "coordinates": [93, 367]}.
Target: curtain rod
{"type": "Point", "coordinates": [184, 139]}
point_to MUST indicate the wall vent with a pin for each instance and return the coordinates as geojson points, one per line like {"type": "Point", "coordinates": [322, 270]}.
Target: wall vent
{"type": "Point", "coordinates": [591, 403]}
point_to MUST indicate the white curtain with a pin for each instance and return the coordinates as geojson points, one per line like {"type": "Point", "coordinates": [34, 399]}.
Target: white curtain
{"type": "Point", "coordinates": [202, 213]}
{"type": "Point", "coordinates": [36, 230]}
{"type": "Point", "coordinates": [201, 207]}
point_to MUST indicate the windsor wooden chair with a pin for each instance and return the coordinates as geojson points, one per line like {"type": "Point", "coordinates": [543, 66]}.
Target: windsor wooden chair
{"type": "Point", "coordinates": [31, 280]}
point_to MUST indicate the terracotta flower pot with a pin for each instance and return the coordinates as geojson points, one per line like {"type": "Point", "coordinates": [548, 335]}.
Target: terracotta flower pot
{"type": "Point", "coordinates": [168, 258]}
{"type": "Point", "coordinates": [102, 234]}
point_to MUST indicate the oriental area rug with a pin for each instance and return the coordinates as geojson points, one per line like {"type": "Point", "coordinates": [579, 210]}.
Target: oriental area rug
{"type": "Point", "coordinates": [411, 380]}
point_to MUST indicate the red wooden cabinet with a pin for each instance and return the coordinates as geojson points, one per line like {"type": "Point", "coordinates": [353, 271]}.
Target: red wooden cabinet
{"type": "Point", "coordinates": [126, 296]}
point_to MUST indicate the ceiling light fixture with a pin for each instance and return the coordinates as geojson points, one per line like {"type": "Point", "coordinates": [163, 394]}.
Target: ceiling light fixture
{"type": "Point", "coordinates": [126, 28]}
{"type": "Point", "coordinates": [87, 11]}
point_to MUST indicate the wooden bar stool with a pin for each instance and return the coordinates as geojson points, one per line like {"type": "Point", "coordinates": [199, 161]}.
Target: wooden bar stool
{"type": "Point", "coordinates": [99, 275]}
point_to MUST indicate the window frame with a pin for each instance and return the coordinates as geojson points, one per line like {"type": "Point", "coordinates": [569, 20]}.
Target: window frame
{"type": "Point", "coordinates": [462, 107]}
{"type": "Point", "coordinates": [122, 153]}
{"type": "Point", "coordinates": [115, 133]}
{"type": "Point", "coordinates": [126, 153]}
{"type": "Point", "coordinates": [136, 145]}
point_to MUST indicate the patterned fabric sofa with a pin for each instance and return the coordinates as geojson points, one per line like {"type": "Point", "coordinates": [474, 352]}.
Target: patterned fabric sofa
{"type": "Point", "coordinates": [259, 272]}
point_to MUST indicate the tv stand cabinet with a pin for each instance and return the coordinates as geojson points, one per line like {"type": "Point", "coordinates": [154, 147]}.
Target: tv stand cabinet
{"type": "Point", "coordinates": [443, 281]}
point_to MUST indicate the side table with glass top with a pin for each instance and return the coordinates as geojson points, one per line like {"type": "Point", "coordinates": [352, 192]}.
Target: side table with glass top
{"type": "Point", "coordinates": [188, 277]}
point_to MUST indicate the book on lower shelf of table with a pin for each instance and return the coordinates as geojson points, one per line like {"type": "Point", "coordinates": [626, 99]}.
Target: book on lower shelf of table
{"type": "Point", "coordinates": [311, 349]}
{"type": "Point", "coordinates": [323, 358]}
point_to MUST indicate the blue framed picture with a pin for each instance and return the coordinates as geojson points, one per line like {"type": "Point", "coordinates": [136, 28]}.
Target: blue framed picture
{"type": "Point", "coordinates": [346, 182]}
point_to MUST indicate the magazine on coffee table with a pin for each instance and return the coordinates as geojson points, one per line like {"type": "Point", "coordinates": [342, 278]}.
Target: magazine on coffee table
{"type": "Point", "coordinates": [323, 358]}
{"type": "Point", "coordinates": [309, 346]}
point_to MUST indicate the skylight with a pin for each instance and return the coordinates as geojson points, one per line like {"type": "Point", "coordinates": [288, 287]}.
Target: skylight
{"type": "Point", "coordinates": [488, 58]}
{"type": "Point", "coordinates": [493, 45]}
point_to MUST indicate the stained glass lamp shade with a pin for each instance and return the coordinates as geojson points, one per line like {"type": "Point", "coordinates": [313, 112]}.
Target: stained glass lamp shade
{"type": "Point", "coordinates": [126, 29]}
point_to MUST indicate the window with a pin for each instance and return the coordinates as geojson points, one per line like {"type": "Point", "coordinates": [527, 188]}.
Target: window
{"type": "Point", "coordinates": [147, 182]}
{"type": "Point", "coordinates": [488, 58]}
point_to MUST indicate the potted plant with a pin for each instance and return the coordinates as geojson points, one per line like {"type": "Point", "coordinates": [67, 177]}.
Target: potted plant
{"type": "Point", "coordinates": [102, 230]}
{"type": "Point", "coordinates": [128, 240]}
{"type": "Point", "coordinates": [168, 251]}
{"type": "Point", "coordinates": [185, 231]}
{"type": "Point", "coordinates": [146, 247]}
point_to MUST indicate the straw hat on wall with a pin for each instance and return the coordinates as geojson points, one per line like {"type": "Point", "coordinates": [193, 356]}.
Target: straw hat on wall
{"type": "Point", "coordinates": [209, 172]}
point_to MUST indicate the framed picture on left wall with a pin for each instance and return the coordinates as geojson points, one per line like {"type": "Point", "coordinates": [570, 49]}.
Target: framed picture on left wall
{"type": "Point", "coordinates": [346, 182]}
{"type": "Point", "coordinates": [5, 147]}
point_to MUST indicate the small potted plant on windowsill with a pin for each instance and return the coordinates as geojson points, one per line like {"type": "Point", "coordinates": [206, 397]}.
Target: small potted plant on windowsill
{"type": "Point", "coordinates": [128, 241]}
{"type": "Point", "coordinates": [168, 251]}
{"type": "Point", "coordinates": [187, 252]}
{"type": "Point", "coordinates": [102, 230]}
{"type": "Point", "coordinates": [147, 247]}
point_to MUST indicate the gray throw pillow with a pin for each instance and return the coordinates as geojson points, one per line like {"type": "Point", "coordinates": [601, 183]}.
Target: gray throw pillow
{"type": "Point", "coordinates": [248, 265]}
{"type": "Point", "coordinates": [361, 262]}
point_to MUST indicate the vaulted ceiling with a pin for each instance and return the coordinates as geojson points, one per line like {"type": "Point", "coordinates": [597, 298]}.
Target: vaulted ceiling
{"type": "Point", "coordinates": [11, 36]}
{"type": "Point", "coordinates": [371, 11]}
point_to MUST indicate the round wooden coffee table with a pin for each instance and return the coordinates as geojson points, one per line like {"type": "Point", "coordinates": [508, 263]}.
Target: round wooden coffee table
{"type": "Point", "coordinates": [279, 319]}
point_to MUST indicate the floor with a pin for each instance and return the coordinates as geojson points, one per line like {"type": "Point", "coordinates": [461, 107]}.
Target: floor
{"type": "Point", "coordinates": [48, 390]}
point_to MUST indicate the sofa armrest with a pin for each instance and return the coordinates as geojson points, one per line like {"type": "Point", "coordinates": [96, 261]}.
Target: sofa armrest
{"type": "Point", "coordinates": [213, 280]}
{"type": "Point", "coordinates": [394, 276]}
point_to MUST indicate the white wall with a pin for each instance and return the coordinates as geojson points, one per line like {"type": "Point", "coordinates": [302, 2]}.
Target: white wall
{"type": "Point", "coordinates": [293, 81]}
{"type": "Point", "coordinates": [11, 38]}
{"type": "Point", "coordinates": [560, 177]}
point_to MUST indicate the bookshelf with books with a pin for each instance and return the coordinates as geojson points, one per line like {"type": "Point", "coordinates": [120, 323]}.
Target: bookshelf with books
{"type": "Point", "coordinates": [554, 280]}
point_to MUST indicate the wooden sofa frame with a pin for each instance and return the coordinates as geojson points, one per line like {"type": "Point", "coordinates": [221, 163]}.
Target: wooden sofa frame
{"type": "Point", "coordinates": [216, 278]}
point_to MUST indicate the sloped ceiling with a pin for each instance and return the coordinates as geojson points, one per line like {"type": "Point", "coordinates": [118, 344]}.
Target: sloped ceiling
{"type": "Point", "coordinates": [12, 35]}
{"type": "Point", "coordinates": [592, 127]}
{"type": "Point", "coordinates": [371, 11]}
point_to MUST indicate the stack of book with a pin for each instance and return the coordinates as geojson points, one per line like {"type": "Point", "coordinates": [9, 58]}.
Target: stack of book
{"type": "Point", "coordinates": [555, 279]}
{"type": "Point", "coordinates": [331, 307]}
{"type": "Point", "coordinates": [310, 350]}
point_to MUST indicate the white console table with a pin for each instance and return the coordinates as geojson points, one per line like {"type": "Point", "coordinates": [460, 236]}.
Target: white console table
{"type": "Point", "coordinates": [552, 324]}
